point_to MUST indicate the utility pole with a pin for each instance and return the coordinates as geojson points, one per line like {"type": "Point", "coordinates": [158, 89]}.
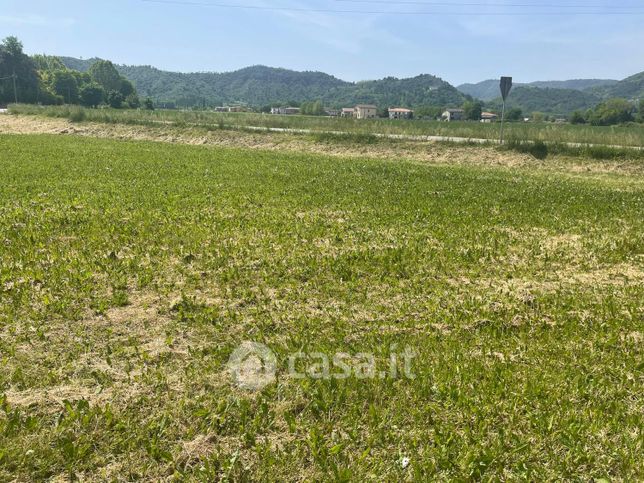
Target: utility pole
{"type": "Point", "coordinates": [15, 90]}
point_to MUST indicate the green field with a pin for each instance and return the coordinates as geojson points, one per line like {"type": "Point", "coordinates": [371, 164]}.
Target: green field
{"type": "Point", "coordinates": [130, 271]}
{"type": "Point", "coordinates": [629, 135]}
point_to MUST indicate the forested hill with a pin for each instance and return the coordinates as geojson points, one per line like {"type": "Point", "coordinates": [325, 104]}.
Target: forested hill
{"type": "Point", "coordinates": [548, 100]}
{"type": "Point", "coordinates": [260, 85]}
{"type": "Point", "coordinates": [489, 89]}
{"type": "Point", "coordinates": [631, 88]}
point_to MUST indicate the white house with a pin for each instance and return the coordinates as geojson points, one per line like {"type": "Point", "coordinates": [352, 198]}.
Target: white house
{"type": "Point", "coordinates": [453, 115]}
{"type": "Point", "coordinates": [285, 111]}
{"type": "Point", "coordinates": [488, 117]}
{"type": "Point", "coordinates": [365, 111]}
{"type": "Point", "coordinates": [347, 112]}
{"type": "Point", "coordinates": [230, 109]}
{"type": "Point", "coordinates": [400, 113]}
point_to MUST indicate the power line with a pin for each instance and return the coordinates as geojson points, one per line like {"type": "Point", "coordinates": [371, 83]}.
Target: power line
{"type": "Point", "coordinates": [384, 12]}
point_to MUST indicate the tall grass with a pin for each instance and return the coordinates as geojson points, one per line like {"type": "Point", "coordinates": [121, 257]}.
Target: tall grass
{"type": "Point", "coordinates": [542, 150]}
{"type": "Point", "coordinates": [627, 135]}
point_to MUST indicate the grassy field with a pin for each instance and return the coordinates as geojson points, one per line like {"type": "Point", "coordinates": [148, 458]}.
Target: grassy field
{"type": "Point", "coordinates": [130, 271]}
{"type": "Point", "coordinates": [631, 135]}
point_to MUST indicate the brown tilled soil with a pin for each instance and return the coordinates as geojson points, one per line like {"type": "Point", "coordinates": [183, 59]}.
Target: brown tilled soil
{"type": "Point", "coordinates": [422, 151]}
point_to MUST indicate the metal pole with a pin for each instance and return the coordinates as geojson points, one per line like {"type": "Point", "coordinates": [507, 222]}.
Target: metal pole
{"type": "Point", "coordinates": [502, 121]}
{"type": "Point", "coordinates": [15, 90]}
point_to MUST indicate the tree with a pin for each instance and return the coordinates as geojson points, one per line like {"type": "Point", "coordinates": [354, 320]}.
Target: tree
{"type": "Point", "coordinates": [640, 110]}
{"type": "Point", "coordinates": [92, 95]}
{"type": "Point", "coordinates": [127, 88]}
{"type": "Point", "coordinates": [612, 111]}
{"type": "Point", "coordinates": [48, 63]}
{"type": "Point", "coordinates": [115, 99]}
{"type": "Point", "coordinates": [428, 112]}
{"type": "Point", "coordinates": [48, 98]}
{"type": "Point", "coordinates": [64, 84]}
{"type": "Point", "coordinates": [514, 114]}
{"type": "Point", "coordinates": [133, 101]}
{"type": "Point", "coordinates": [14, 62]}
{"type": "Point", "coordinates": [105, 74]}
{"type": "Point", "coordinates": [312, 108]}
{"type": "Point", "coordinates": [577, 118]}
{"type": "Point", "coordinates": [149, 105]}
{"type": "Point", "coordinates": [473, 110]}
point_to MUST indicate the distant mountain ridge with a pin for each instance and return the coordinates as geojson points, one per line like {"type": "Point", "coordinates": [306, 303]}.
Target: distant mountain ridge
{"type": "Point", "coordinates": [260, 85]}
{"type": "Point", "coordinates": [558, 97]}
{"type": "Point", "coordinates": [548, 100]}
{"type": "Point", "coordinates": [489, 89]}
{"type": "Point", "coordinates": [631, 88]}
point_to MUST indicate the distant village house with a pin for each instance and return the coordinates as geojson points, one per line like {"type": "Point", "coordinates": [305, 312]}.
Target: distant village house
{"type": "Point", "coordinates": [488, 117]}
{"type": "Point", "coordinates": [453, 115]}
{"type": "Point", "coordinates": [347, 112]}
{"type": "Point", "coordinates": [285, 111]}
{"type": "Point", "coordinates": [365, 111]}
{"type": "Point", "coordinates": [230, 109]}
{"type": "Point", "coordinates": [400, 113]}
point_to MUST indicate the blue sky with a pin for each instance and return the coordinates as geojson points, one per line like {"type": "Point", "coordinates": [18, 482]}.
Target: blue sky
{"type": "Point", "coordinates": [466, 47]}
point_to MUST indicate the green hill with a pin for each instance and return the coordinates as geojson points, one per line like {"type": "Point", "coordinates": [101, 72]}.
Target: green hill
{"type": "Point", "coordinates": [574, 84]}
{"type": "Point", "coordinates": [489, 89]}
{"type": "Point", "coordinates": [631, 88]}
{"type": "Point", "coordinates": [548, 100]}
{"type": "Point", "coordinates": [260, 85]}
{"type": "Point", "coordinates": [485, 90]}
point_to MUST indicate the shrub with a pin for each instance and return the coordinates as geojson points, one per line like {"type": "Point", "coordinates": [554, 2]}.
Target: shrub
{"type": "Point", "coordinates": [612, 111]}
{"type": "Point", "coordinates": [76, 114]}
{"type": "Point", "coordinates": [538, 149]}
{"type": "Point", "coordinates": [577, 118]}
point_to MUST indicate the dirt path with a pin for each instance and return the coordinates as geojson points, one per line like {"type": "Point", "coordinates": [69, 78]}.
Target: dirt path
{"type": "Point", "coordinates": [422, 151]}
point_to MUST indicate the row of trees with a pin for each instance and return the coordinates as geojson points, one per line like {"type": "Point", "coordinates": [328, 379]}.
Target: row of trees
{"type": "Point", "coordinates": [46, 80]}
{"type": "Point", "coordinates": [609, 113]}
{"type": "Point", "coordinates": [474, 110]}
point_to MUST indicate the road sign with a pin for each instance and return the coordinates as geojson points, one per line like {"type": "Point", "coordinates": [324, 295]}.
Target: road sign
{"type": "Point", "coordinates": [506, 85]}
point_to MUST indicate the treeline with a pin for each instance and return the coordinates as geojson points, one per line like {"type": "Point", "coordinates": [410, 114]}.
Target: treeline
{"type": "Point", "coordinates": [610, 112]}
{"type": "Point", "coordinates": [46, 80]}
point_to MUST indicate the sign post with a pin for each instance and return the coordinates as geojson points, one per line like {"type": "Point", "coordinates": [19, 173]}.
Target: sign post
{"type": "Point", "coordinates": [506, 86]}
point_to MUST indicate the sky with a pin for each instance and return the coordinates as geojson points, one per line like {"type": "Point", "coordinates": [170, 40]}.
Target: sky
{"type": "Point", "coordinates": [457, 40]}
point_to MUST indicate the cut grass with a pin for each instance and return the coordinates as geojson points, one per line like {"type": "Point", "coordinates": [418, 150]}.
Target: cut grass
{"type": "Point", "coordinates": [131, 270]}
